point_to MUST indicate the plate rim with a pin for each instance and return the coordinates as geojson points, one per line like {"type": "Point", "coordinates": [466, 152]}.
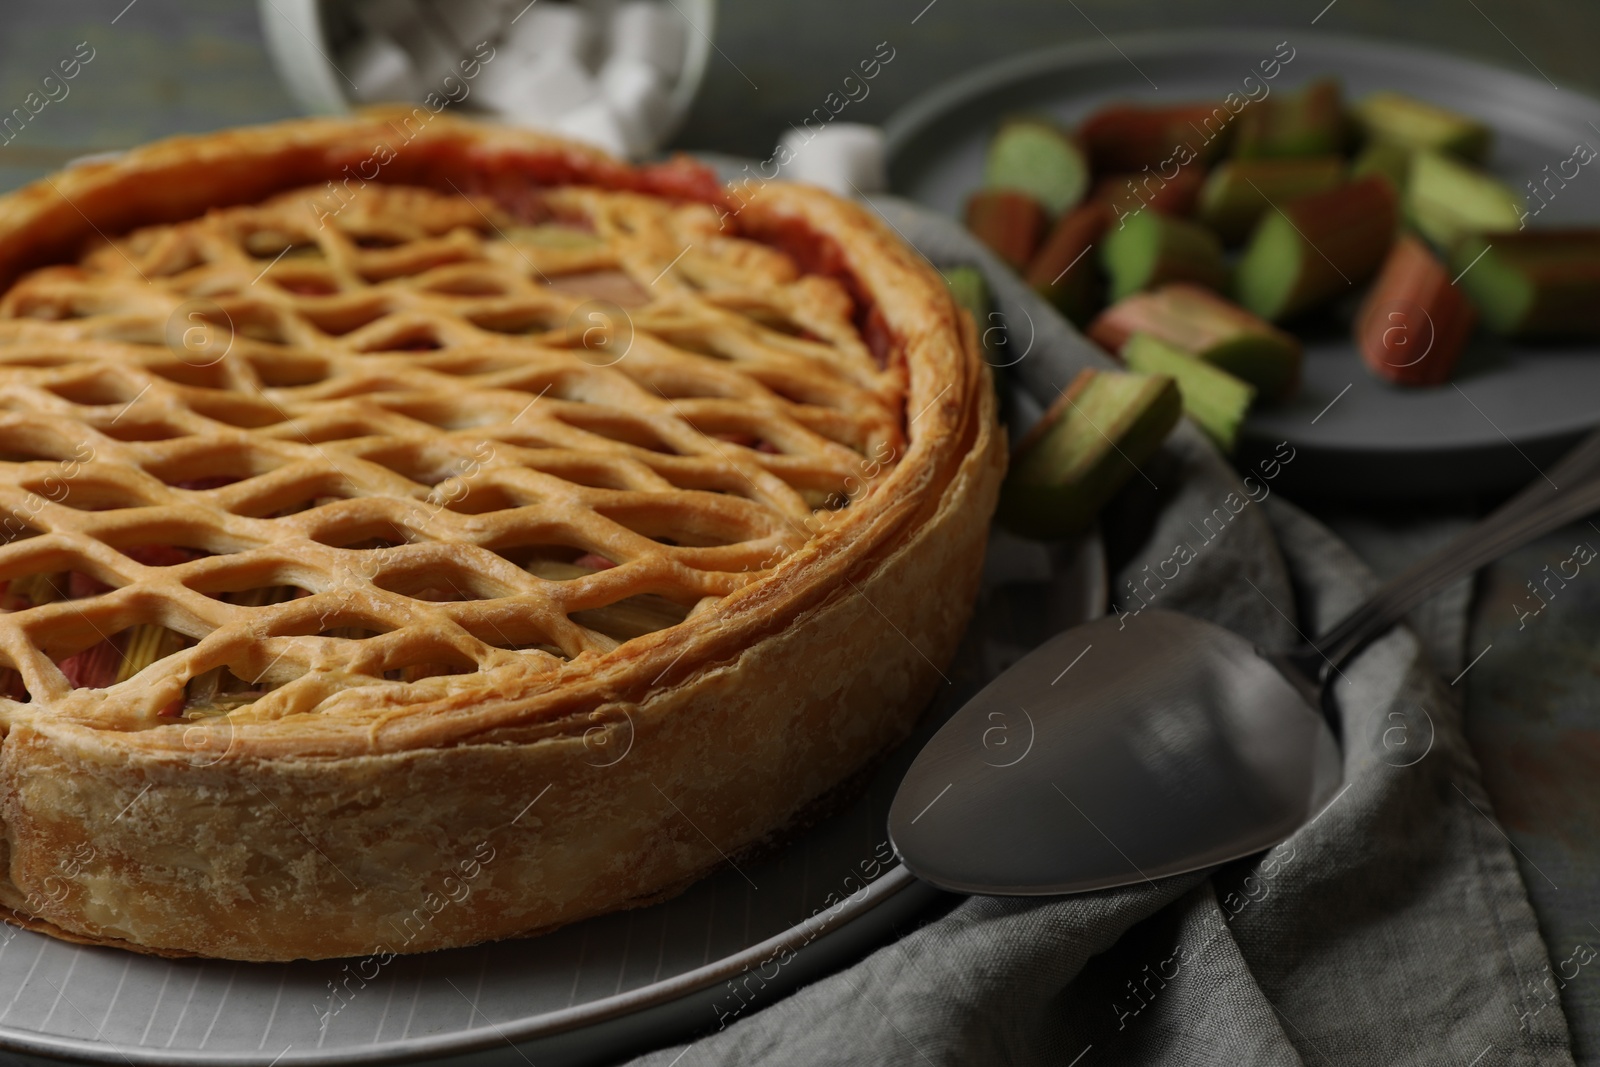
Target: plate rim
{"type": "Point", "coordinates": [912, 118]}
{"type": "Point", "coordinates": [890, 883]}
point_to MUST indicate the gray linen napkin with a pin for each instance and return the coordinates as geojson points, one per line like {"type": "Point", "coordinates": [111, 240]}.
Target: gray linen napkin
{"type": "Point", "coordinates": [1394, 928]}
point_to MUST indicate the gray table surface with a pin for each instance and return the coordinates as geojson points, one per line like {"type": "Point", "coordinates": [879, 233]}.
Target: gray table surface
{"type": "Point", "coordinates": [1533, 683]}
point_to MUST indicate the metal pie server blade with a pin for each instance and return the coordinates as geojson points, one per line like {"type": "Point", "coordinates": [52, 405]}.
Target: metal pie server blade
{"type": "Point", "coordinates": [1117, 752]}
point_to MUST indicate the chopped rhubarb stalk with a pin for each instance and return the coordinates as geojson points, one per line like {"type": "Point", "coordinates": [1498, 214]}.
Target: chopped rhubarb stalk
{"type": "Point", "coordinates": [31, 591]}
{"type": "Point", "coordinates": [1151, 249]}
{"type": "Point", "coordinates": [593, 562]}
{"type": "Point", "coordinates": [219, 691]}
{"type": "Point", "coordinates": [969, 291]}
{"type": "Point", "coordinates": [144, 644]}
{"type": "Point", "coordinates": [1127, 138]}
{"type": "Point", "coordinates": [1238, 193]}
{"type": "Point", "coordinates": [201, 692]}
{"type": "Point", "coordinates": [1391, 161]}
{"type": "Point", "coordinates": [1537, 283]}
{"type": "Point", "coordinates": [633, 617]}
{"type": "Point", "coordinates": [1315, 247]}
{"type": "Point", "coordinates": [1414, 323]}
{"type": "Point", "coordinates": [1449, 201]}
{"type": "Point", "coordinates": [1308, 123]}
{"type": "Point", "coordinates": [1210, 328]}
{"type": "Point", "coordinates": [1128, 194]}
{"type": "Point", "coordinates": [162, 555]}
{"type": "Point", "coordinates": [80, 585]}
{"type": "Point", "coordinates": [1038, 158]}
{"type": "Point", "coordinates": [95, 667]}
{"type": "Point", "coordinates": [1213, 398]}
{"type": "Point", "coordinates": [1406, 122]}
{"type": "Point", "coordinates": [880, 339]}
{"type": "Point", "coordinates": [1063, 272]}
{"type": "Point", "coordinates": [1009, 222]}
{"type": "Point", "coordinates": [1091, 441]}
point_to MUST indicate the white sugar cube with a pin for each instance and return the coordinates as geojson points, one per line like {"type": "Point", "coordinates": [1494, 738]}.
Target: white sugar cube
{"type": "Point", "coordinates": [433, 55]}
{"type": "Point", "coordinates": [637, 96]}
{"type": "Point", "coordinates": [547, 28]}
{"type": "Point", "coordinates": [594, 123]}
{"type": "Point", "coordinates": [381, 70]}
{"type": "Point", "coordinates": [847, 158]}
{"type": "Point", "coordinates": [650, 31]}
{"type": "Point", "coordinates": [535, 92]}
{"type": "Point", "coordinates": [470, 22]}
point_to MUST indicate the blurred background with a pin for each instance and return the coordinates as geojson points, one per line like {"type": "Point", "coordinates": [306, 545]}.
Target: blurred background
{"type": "Point", "coordinates": [172, 66]}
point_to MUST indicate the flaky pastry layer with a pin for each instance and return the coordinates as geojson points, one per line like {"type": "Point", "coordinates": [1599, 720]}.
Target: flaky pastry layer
{"type": "Point", "coordinates": [563, 771]}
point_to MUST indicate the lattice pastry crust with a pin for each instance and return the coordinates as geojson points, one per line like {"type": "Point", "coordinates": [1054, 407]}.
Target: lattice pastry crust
{"type": "Point", "coordinates": [492, 524]}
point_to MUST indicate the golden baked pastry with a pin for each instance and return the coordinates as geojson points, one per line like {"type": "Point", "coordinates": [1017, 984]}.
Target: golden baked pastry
{"type": "Point", "coordinates": [422, 534]}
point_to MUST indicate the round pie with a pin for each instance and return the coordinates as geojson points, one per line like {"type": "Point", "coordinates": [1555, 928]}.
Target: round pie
{"type": "Point", "coordinates": [419, 533]}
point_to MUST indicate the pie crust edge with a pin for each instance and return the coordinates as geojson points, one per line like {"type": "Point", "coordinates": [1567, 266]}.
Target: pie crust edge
{"type": "Point", "coordinates": [341, 860]}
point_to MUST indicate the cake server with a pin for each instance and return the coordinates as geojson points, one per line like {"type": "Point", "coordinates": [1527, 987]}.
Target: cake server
{"type": "Point", "coordinates": [1135, 747]}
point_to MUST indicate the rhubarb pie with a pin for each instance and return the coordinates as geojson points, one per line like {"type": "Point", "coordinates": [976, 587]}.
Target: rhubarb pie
{"type": "Point", "coordinates": [419, 533]}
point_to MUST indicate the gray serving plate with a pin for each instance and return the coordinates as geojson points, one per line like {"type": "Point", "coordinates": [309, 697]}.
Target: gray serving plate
{"type": "Point", "coordinates": [1511, 409]}
{"type": "Point", "coordinates": [587, 993]}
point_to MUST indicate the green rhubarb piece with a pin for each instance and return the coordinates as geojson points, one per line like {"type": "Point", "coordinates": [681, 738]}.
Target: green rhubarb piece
{"type": "Point", "coordinates": [1311, 249]}
{"type": "Point", "coordinates": [1036, 157]}
{"type": "Point", "coordinates": [1534, 283]}
{"type": "Point", "coordinates": [1150, 249]}
{"type": "Point", "coordinates": [1239, 192]}
{"type": "Point", "coordinates": [1448, 201]}
{"type": "Point", "coordinates": [1215, 399]}
{"type": "Point", "coordinates": [1310, 122]}
{"type": "Point", "coordinates": [1409, 123]}
{"type": "Point", "coordinates": [144, 644]}
{"type": "Point", "coordinates": [1390, 160]}
{"type": "Point", "coordinates": [1063, 271]}
{"type": "Point", "coordinates": [1204, 325]}
{"type": "Point", "coordinates": [1091, 441]}
{"type": "Point", "coordinates": [970, 291]}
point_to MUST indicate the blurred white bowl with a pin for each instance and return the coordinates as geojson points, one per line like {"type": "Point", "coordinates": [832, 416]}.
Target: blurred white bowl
{"type": "Point", "coordinates": [303, 36]}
